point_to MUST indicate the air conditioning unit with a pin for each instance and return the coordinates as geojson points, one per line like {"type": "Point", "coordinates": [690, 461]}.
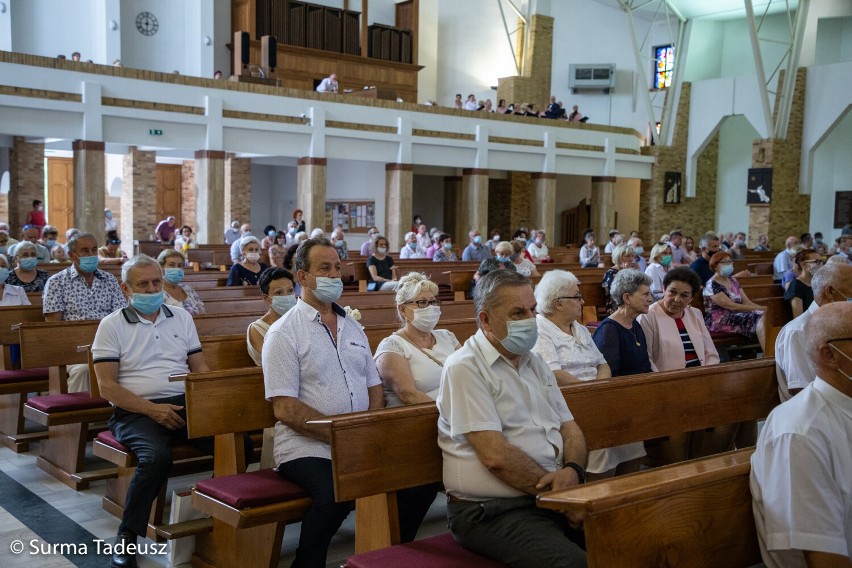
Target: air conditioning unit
{"type": "Point", "coordinates": [591, 76]}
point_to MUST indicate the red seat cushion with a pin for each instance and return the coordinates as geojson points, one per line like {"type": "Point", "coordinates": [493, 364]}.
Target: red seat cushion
{"type": "Point", "coordinates": [22, 375]}
{"type": "Point", "coordinates": [66, 402]}
{"type": "Point", "coordinates": [107, 438]}
{"type": "Point", "coordinates": [252, 489]}
{"type": "Point", "coordinates": [439, 551]}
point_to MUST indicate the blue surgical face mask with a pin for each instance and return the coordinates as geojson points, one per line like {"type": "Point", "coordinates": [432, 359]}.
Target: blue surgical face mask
{"type": "Point", "coordinates": [639, 250]}
{"type": "Point", "coordinates": [477, 239]}
{"type": "Point", "coordinates": [292, 230]}
{"type": "Point", "coordinates": [740, 242]}
{"type": "Point", "coordinates": [328, 290]}
{"type": "Point", "coordinates": [339, 244]}
{"type": "Point", "coordinates": [4, 274]}
{"type": "Point", "coordinates": [3, 249]}
{"type": "Point", "coordinates": [173, 275]}
{"type": "Point", "coordinates": [88, 263]}
{"type": "Point", "coordinates": [28, 263]}
{"type": "Point", "coordinates": [50, 244]}
{"type": "Point", "coordinates": [503, 259]}
{"type": "Point", "coordinates": [270, 234]}
{"type": "Point", "coordinates": [282, 304]}
{"type": "Point", "coordinates": [448, 246]}
{"type": "Point", "coordinates": [412, 246]}
{"type": "Point", "coordinates": [727, 269]}
{"type": "Point", "coordinates": [522, 335]}
{"type": "Point", "coordinates": [147, 303]}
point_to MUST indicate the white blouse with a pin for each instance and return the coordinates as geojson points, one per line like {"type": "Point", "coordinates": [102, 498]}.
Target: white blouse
{"type": "Point", "coordinates": [525, 268]}
{"type": "Point", "coordinates": [426, 373]}
{"type": "Point", "coordinates": [656, 273]}
{"type": "Point", "coordinates": [576, 354]}
{"type": "Point", "coordinates": [538, 252]}
{"type": "Point", "coordinates": [14, 296]}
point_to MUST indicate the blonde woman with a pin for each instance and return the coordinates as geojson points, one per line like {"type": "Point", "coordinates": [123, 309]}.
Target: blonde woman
{"type": "Point", "coordinates": [661, 260]}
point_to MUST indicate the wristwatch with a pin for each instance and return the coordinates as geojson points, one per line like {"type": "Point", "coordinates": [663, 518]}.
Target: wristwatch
{"type": "Point", "coordinates": [581, 471]}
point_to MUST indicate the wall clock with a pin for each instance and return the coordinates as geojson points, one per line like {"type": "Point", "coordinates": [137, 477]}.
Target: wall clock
{"type": "Point", "coordinates": [147, 23]}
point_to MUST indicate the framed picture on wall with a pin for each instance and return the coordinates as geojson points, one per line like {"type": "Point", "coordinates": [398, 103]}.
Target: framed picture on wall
{"type": "Point", "coordinates": [842, 209]}
{"type": "Point", "coordinates": [759, 187]}
{"type": "Point", "coordinates": [671, 188]}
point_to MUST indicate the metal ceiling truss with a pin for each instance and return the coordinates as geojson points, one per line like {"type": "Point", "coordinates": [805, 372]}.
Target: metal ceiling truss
{"type": "Point", "coordinates": [511, 33]}
{"type": "Point", "coordinates": [665, 12]}
{"type": "Point", "coordinates": [796, 20]}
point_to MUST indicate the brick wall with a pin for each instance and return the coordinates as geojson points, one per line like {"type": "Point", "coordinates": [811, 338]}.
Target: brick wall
{"type": "Point", "coordinates": [138, 199]}
{"type": "Point", "coordinates": [520, 202]}
{"type": "Point", "coordinates": [188, 190]}
{"type": "Point", "coordinates": [237, 190]}
{"type": "Point", "coordinates": [534, 86]}
{"type": "Point", "coordinates": [26, 181]}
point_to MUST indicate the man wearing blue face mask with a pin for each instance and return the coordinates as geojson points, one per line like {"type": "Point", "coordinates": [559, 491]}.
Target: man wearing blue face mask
{"type": "Point", "coordinates": [316, 362]}
{"type": "Point", "coordinates": [136, 349]}
{"type": "Point", "coordinates": [507, 435]}
{"type": "Point", "coordinates": [81, 292]}
{"type": "Point", "coordinates": [475, 250]}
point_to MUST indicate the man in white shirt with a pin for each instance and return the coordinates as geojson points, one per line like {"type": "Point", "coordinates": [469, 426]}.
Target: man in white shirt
{"type": "Point", "coordinates": [784, 259]}
{"type": "Point", "coordinates": [676, 239]}
{"type": "Point", "coordinates": [245, 231]}
{"type": "Point", "coordinates": [844, 249]}
{"type": "Point", "coordinates": [792, 367]}
{"type": "Point", "coordinates": [507, 435]}
{"type": "Point", "coordinates": [801, 471]}
{"type": "Point", "coordinates": [232, 233]}
{"type": "Point", "coordinates": [610, 246]}
{"type": "Point", "coordinates": [317, 362]}
{"type": "Point", "coordinates": [328, 85]}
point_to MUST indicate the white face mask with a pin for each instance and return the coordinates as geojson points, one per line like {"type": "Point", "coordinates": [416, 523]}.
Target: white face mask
{"type": "Point", "coordinates": [425, 319]}
{"type": "Point", "coordinates": [252, 256]}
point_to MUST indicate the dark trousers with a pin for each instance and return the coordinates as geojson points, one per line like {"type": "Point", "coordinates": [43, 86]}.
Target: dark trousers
{"type": "Point", "coordinates": [152, 444]}
{"type": "Point", "coordinates": [517, 533]}
{"type": "Point", "coordinates": [325, 516]}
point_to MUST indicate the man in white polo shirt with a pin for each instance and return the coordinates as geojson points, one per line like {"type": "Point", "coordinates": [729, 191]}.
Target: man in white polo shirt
{"type": "Point", "coordinates": [507, 435]}
{"type": "Point", "coordinates": [135, 351]}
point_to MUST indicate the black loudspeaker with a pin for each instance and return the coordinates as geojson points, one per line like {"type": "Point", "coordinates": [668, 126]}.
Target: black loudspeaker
{"type": "Point", "coordinates": [269, 53]}
{"type": "Point", "coordinates": [241, 53]}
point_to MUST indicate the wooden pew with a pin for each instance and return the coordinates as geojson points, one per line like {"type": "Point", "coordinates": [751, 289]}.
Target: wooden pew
{"type": "Point", "coordinates": [243, 305]}
{"type": "Point", "coordinates": [696, 513]}
{"type": "Point", "coordinates": [645, 406]}
{"type": "Point", "coordinates": [227, 292]}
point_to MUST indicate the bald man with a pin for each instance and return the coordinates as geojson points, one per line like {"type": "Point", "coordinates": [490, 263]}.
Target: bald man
{"type": "Point", "coordinates": [784, 260]}
{"type": "Point", "coordinates": [801, 472]}
{"type": "Point", "coordinates": [831, 283]}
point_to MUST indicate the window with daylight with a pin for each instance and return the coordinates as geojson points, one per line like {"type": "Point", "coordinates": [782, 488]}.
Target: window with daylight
{"type": "Point", "coordinates": [663, 66]}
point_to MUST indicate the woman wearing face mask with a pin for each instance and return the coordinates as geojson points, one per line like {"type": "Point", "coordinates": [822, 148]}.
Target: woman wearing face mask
{"type": "Point", "coordinates": [799, 294]}
{"type": "Point", "coordinates": [25, 274]}
{"type": "Point", "coordinates": [661, 260]}
{"type": "Point", "coordinates": [382, 272]}
{"type": "Point", "coordinates": [727, 309]}
{"type": "Point", "coordinates": [278, 251]}
{"type": "Point", "coordinates": [269, 234]}
{"type": "Point", "coordinates": [444, 253]}
{"type": "Point", "coordinates": [622, 257]}
{"type": "Point", "coordinates": [411, 360]}
{"type": "Point", "coordinates": [538, 250]}
{"type": "Point", "coordinates": [10, 294]}
{"type": "Point", "coordinates": [176, 292]}
{"type": "Point", "coordinates": [277, 286]}
{"type": "Point", "coordinates": [247, 271]}
{"type": "Point", "coordinates": [522, 264]}
{"type": "Point", "coordinates": [678, 339]}
{"type": "Point", "coordinates": [339, 243]}
{"type": "Point", "coordinates": [621, 341]}
{"type": "Point", "coordinates": [411, 248]}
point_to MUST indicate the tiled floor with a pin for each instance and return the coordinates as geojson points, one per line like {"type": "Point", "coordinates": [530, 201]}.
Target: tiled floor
{"type": "Point", "coordinates": [84, 509]}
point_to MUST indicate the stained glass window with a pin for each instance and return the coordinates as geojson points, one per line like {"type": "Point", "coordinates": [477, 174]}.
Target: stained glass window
{"type": "Point", "coordinates": [663, 66]}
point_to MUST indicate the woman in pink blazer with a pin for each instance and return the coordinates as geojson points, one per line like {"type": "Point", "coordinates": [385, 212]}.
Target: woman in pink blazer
{"type": "Point", "coordinates": [678, 338]}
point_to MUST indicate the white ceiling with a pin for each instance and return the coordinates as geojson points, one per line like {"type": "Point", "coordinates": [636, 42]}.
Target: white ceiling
{"type": "Point", "coordinates": [711, 9]}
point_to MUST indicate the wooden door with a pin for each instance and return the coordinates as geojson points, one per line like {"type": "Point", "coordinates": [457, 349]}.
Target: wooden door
{"type": "Point", "coordinates": [168, 192]}
{"type": "Point", "coordinates": [60, 193]}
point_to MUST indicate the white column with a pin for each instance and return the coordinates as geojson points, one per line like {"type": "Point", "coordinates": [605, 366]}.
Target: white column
{"type": "Point", "coordinates": [6, 25]}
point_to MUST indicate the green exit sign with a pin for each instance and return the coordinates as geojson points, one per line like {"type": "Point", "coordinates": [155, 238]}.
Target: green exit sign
{"type": "Point", "coordinates": [155, 132]}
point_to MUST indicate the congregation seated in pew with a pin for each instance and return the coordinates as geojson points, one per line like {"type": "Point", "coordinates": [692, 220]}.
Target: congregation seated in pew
{"type": "Point", "coordinates": [381, 271]}
{"type": "Point", "coordinates": [444, 251]}
{"type": "Point", "coordinates": [25, 273]}
{"type": "Point", "coordinates": [317, 362]}
{"type": "Point", "coordinates": [801, 476]}
{"type": "Point", "coordinates": [727, 308]}
{"type": "Point", "coordinates": [523, 265]}
{"type": "Point", "coordinates": [81, 292]}
{"type": "Point", "coordinates": [178, 293]}
{"type": "Point", "coordinates": [133, 368]}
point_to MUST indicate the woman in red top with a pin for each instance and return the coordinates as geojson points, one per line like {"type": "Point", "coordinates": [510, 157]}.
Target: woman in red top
{"type": "Point", "coordinates": [36, 216]}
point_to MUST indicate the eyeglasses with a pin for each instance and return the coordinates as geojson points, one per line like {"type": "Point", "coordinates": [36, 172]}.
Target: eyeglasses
{"type": "Point", "coordinates": [424, 303]}
{"type": "Point", "coordinates": [578, 297]}
{"type": "Point", "coordinates": [813, 262]}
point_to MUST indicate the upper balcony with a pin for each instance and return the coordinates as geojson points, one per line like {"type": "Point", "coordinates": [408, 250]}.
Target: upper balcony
{"type": "Point", "coordinates": [54, 99]}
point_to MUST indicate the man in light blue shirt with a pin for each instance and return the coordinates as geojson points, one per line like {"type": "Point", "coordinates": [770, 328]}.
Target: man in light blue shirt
{"type": "Point", "coordinates": [475, 250]}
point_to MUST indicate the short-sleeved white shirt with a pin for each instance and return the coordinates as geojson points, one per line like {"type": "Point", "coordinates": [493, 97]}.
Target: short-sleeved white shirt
{"type": "Point", "coordinates": [426, 372]}
{"type": "Point", "coordinates": [792, 360]}
{"type": "Point", "coordinates": [147, 353]}
{"type": "Point", "coordinates": [480, 391]}
{"type": "Point", "coordinates": [656, 273]}
{"type": "Point", "coordinates": [14, 296]}
{"type": "Point", "coordinates": [801, 477]}
{"type": "Point", "coordinates": [576, 354]}
{"type": "Point", "coordinates": [301, 360]}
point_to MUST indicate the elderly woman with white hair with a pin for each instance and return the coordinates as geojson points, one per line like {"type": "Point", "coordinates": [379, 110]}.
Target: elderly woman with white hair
{"type": "Point", "coordinates": [410, 361]}
{"type": "Point", "coordinates": [622, 342]}
{"type": "Point", "coordinates": [661, 260]}
{"type": "Point", "coordinates": [10, 295]}
{"type": "Point", "coordinates": [565, 343]}
{"type": "Point", "coordinates": [623, 256]}
{"type": "Point", "coordinates": [247, 271]}
{"type": "Point", "coordinates": [411, 247]}
{"type": "Point", "coordinates": [339, 242]}
{"type": "Point", "coordinates": [25, 274]}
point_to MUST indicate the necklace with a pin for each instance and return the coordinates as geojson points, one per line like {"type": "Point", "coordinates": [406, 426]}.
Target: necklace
{"type": "Point", "coordinates": [421, 349]}
{"type": "Point", "coordinates": [632, 331]}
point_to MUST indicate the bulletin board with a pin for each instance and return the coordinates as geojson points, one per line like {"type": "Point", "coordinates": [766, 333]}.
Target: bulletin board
{"type": "Point", "coordinates": [353, 216]}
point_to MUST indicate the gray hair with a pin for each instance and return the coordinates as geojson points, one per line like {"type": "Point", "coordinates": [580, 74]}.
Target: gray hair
{"type": "Point", "coordinates": [24, 246]}
{"type": "Point", "coordinates": [705, 240]}
{"type": "Point", "coordinates": [300, 236]}
{"type": "Point", "coordinates": [621, 251]}
{"type": "Point", "coordinates": [484, 293]}
{"type": "Point", "coordinates": [408, 235]}
{"type": "Point", "coordinates": [140, 260]}
{"type": "Point", "coordinates": [317, 233]}
{"type": "Point", "coordinates": [829, 275]}
{"type": "Point", "coordinates": [627, 281]}
{"type": "Point", "coordinates": [245, 241]}
{"type": "Point", "coordinates": [300, 259]}
{"type": "Point", "coordinates": [552, 285]}
{"type": "Point", "coordinates": [72, 242]}
{"type": "Point", "coordinates": [166, 254]}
